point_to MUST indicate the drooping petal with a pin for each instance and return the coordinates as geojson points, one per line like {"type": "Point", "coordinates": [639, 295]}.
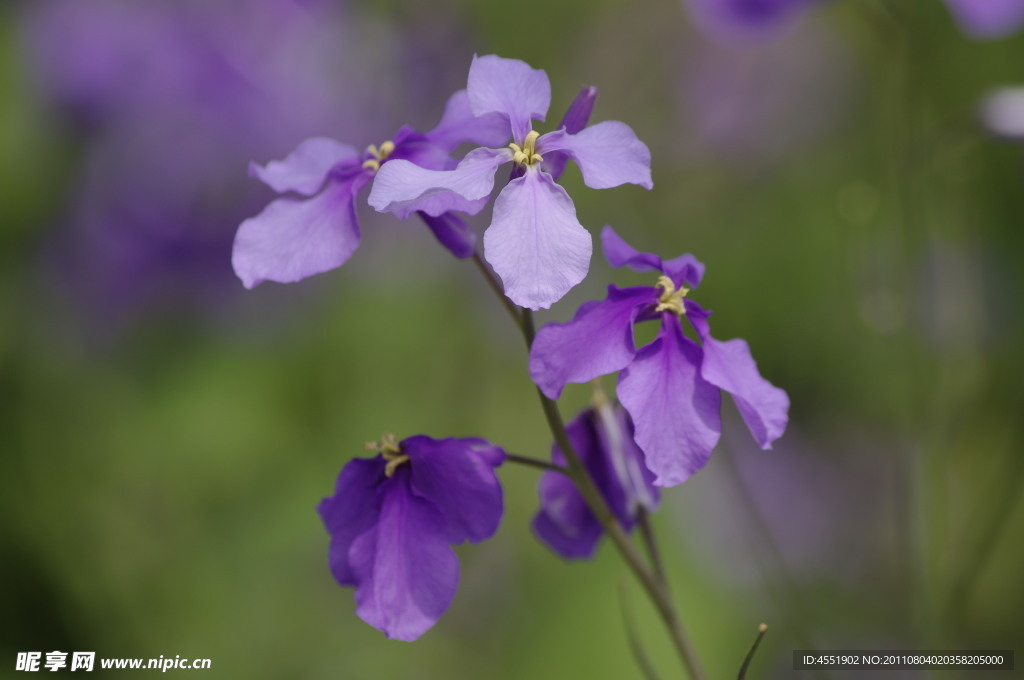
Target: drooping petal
{"type": "Point", "coordinates": [535, 243]}
{"type": "Point", "coordinates": [730, 366]}
{"type": "Point", "coordinates": [616, 433]}
{"type": "Point", "coordinates": [352, 511]}
{"type": "Point", "coordinates": [458, 125]}
{"type": "Point", "coordinates": [675, 411]}
{"type": "Point", "coordinates": [510, 88]}
{"type": "Point", "coordinates": [596, 342]}
{"type": "Point", "coordinates": [609, 154]}
{"type": "Point", "coordinates": [406, 572]}
{"type": "Point", "coordinates": [402, 187]}
{"type": "Point", "coordinates": [292, 239]}
{"type": "Point", "coordinates": [684, 270]}
{"type": "Point", "coordinates": [306, 168]}
{"type": "Point", "coordinates": [452, 232]}
{"type": "Point", "coordinates": [576, 118]}
{"type": "Point", "coordinates": [459, 482]}
{"type": "Point", "coordinates": [564, 522]}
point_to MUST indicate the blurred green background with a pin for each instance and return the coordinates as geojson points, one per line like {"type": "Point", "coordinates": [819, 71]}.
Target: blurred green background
{"type": "Point", "coordinates": [165, 435]}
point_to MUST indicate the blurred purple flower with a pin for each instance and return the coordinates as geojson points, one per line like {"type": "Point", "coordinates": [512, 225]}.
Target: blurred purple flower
{"type": "Point", "coordinates": [170, 98]}
{"type": "Point", "coordinates": [987, 19]}
{"type": "Point", "coordinates": [296, 238]}
{"type": "Point", "coordinates": [1002, 112]}
{"type": "Point", "coordinates": [602, 437]}
{"type": "Point", "coordinates": [670, 387]}
{"type": "Point", "coordinates": [534, 242]}
{"type": "Point", "coordinates": [393, 518]}
{"type": "Point", "coordinates": [744, 19]}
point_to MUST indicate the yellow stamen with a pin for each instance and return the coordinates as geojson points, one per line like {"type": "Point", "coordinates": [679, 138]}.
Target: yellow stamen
{"type": "Point", "coordinates": [389, 449]}
{"type": "Point", "coordinates": [527, 153]}
{"type": "Point", "coordinates": [671, 299]}
{"type": "Point", "coordinates": [379, 155]}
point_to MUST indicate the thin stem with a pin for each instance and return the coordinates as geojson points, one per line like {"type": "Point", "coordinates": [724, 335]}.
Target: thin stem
{"type": "Point", "coordinates": [643, 519]}
{"type": "Point", "coordinates": [510, 306]}
{"type": "Point", "coordinates": [595, 501]}
{"type": "Point", "coordinates": [535, 462]}
{"type": "Point", "coordinates": [753, 648]}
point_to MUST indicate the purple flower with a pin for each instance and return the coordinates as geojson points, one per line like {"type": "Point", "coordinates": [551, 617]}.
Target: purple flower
{"type": "Point", "coordinates": [987, 19]}
{"type": "Point", "coordinates": [602, 436]}
{"type": "Point", "coordinates": [534, 242]}
{"type": "Point", "coordinates": [393, 518]}
{"type": "Point", "coordinates": [297, 237]}
{"type": "Point", "coordinates": [670, 387]}
{"type": "Point", "coordinates": [743, 19]}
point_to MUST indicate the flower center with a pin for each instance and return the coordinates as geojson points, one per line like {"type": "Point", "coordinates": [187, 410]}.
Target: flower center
{"type": "Point", "coordinates": [527, 155]}
{"type": "Point", "coordinates": [671, 300]}
{"type": "Point", "coordinates": [379, 156]}
{"type": "Point", "coordinates": [389, 449]}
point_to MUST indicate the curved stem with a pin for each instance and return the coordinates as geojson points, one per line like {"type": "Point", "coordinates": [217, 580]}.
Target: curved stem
{"type": "Point", "coordinates": [643, 519]}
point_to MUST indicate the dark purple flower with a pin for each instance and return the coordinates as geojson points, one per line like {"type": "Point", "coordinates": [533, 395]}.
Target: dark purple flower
{"type": "Point", "coordinates": [732, 19]}
{"type": "Point", "coordinates": [602, 437]}
{"type": "Point", "coordinates": [534, 242]}
{"type": "Point", "coordinates": [671, 385]}
{"type": "Point", "coordinates": [987, 19]}
{"type": "Point", "coordinates": [294, 238]}
{"type": "Point", "coordinates": [393, 519]}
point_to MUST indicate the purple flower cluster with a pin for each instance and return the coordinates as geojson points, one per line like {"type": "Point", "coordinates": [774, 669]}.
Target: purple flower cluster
{"type": "Point", "coordinates": [394, 518]}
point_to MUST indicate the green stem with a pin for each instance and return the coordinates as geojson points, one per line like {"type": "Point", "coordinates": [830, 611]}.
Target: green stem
{"type": "Point", "coordinates": [643, 519]}
{"type": "Point", "coordinates": [535, 462]}
{"type": "Point", "coordinates": [761, 630]}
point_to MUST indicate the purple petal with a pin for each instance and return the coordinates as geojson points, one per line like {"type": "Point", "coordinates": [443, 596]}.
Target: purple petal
{"type": "Point", "coordinates": [306, 168]}
{"type": "Point", "coordinates": [406, 571]}
{"type": "Point", "coordinates": [575, 119]}
{"type": "Point", "coordinates": [292, 239]}
{"type": "Point", "coordinates": [683, 270]}
{"type": "Point", "coordinates": [511, 88]}
{"type": "Point", "coordinates": [625, 463]}
{"type": "Point", "coordinates": [402, 187]}
{"type": "Point", "coordinates": [609, 154]}
{"type": "Point", "coordinates": [459, 482]}
{"type": "Point", "coordinates": [564, 522]}
{"type": "Point", "coordinates": [730, 366]}
{"type": "Point", "coordinates": [988, 19]}
{"type": "Point", "coordinates": [675, 411]}
{"type": "Point", "coordinates": [535, 243]}
{"type": "Point", "coordinates": [352, 511]}
{"type": "Point", "coordinates": [598, 341]}
{"type": "Point", "coordinates": [458, 125]}
{"type": "Point", "coordinates": [453, 233]}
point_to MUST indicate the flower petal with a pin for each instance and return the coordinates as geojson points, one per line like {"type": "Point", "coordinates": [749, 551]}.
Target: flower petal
{"type": "Point", "coordinates": [406, 572]}
{"type": "Point", "coordinates": [403, 187]}
{"type": "Point", "coordinates": [683, 270]}
{"type": "Point", "coordinates": [353, 510]}
{"type": "Point", "coordinates": [459, 482]}
{"type": "Point", "coordinates": [564, 522]}
{"type": "Point", "coordinates": [609, 154]}
{"type": "Point", "coordinates": [510, 88]}
{"type": "Point", "coordinates": [987, 19]}
{"type": "Point", "coordinates": [626, 464]}
{"type": "Point", "coordinates": [575, 119]}
{"type": "Point", "coordinates": [535, 243]}
{"type": "Point", "coordinates": [675, 411]}
{"type": "Point", "coordinates": [598, 341]}
{"type": "Point", "coordinates": [730, 366]}
{"type": "Point", "coordinates": [459, 124]}
{"type": "Point", "coordinates": [306, 168]}
{"type": "Point", "coordinates": [452, 232]}
{"type": "Point", "coordinates": [292, 239]}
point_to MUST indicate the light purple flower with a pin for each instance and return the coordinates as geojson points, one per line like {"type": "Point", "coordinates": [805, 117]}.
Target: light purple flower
{"type": "Point", "coordinates": [988, 19]}
{"type": "Point", "coordinates": [744, 19]}
{"type": "Point", "coordinates": [393, 519]}
{"type": "Point", "coordinates": [602, 437]}
{"type": "Point", "coordinates": [670, 387]}
{"type": "Point", "coordinates": [534, 242]}
{"type": "Point", "coordinates": [297, 237]}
